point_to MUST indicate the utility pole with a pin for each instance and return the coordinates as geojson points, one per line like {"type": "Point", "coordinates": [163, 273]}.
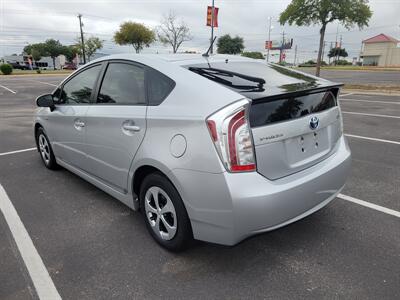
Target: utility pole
{"type": "Point", "coordinates": [281, 50]}
{"type": "Point", "coordinates": [295, 56]}
{"type": "Point", "coordinates": [212, 28]}
{"type": "Point", "coordinates": [340, 47]}
{"type": "Point", "coordinates": [269, 37]}
{"type": "Point", "coordinates": [82, 40]}
{"type": "Point", "coordinates": [336, 44]}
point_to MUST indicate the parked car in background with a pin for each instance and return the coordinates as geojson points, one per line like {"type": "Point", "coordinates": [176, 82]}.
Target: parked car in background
{"type": "Point", "coordinates": [18, 66]}
{"type": "Point", "coordinates": [69, 66]}
{"type": "Point", "coordinates": [216, 149]}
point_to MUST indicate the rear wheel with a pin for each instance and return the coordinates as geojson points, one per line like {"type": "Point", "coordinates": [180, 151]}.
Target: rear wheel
{"type": "Point", "coordinates": [45, 150]}
{"type": "Point", "coordinates": [164, 213]}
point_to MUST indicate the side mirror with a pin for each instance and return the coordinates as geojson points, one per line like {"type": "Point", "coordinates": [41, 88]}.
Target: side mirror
{"type": "Point", "coordinates": [46, 101]}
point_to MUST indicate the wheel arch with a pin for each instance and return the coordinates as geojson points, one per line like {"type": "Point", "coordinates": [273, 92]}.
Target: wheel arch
{"type": "Point", "coordinates": [148, 167]}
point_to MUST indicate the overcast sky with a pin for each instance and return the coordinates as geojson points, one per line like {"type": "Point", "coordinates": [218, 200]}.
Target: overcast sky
{"type": "Point", "coordinates": [23, 22]}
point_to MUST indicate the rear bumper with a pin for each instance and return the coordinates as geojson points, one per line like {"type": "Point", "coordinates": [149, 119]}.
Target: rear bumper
{"type": "Point", "coordinates": [226, 208]}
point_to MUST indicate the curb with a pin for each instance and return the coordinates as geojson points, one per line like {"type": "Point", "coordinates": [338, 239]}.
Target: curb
{"type": "Point", "coordinates": [372, 92]}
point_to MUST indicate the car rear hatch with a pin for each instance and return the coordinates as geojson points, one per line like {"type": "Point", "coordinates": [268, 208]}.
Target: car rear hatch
{"type": "Point", "coordinates": [292, 133]}
{"type": "Point", "coordinates": [294, 118]}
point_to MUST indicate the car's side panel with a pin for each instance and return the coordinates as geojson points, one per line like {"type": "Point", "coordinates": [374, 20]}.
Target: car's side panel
{"type": "Point", "coordinates": [111, 148]}
{"type": "Point", "coordinates": [66, 130]}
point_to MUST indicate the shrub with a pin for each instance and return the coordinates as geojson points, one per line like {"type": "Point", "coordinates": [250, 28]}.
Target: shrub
{"type": "Point", "coordinates": [255, 55]}
{"type": "Point", "coordinates": [343, 62]}
{"type": "Point", "coordinates": [6, 69]}
{"type": "Point", "coordinates": [38, 71]}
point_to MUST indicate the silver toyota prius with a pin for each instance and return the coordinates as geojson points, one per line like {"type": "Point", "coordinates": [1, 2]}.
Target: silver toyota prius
{"type": "Point", "coordinates": [212, 148]}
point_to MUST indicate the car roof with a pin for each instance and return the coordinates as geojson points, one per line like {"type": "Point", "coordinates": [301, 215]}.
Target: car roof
{"type": "Point", "coordinates": [179, 59]}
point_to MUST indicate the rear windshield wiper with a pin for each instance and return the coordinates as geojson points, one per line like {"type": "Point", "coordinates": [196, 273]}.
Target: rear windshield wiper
{"type": "Point", "coordinates": [215, 75]}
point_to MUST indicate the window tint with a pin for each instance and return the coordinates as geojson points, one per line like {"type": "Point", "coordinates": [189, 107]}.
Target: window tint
{"type": "Point", "coordinates": [79, 88]}
{"type": "Point", "coordinates": [159, 86]}
{"type": "Point", "coordinates": [122, 84]}
{"type": "Point", "coordinates": [263, 113]}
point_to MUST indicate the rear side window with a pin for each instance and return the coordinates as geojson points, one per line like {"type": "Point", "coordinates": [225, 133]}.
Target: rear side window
{"type": "Point", "coordinates": [278, 110]}
{"type": "Point", "coordinates": [79, 89]}
{"type": "Point", "coordinates": [159, 86]}
{"type": "Point", "coordinates": [123, 84]}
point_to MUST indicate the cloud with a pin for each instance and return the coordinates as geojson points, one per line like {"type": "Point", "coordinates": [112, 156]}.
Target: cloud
{"type": "Point", "coordinates": [23, 22]}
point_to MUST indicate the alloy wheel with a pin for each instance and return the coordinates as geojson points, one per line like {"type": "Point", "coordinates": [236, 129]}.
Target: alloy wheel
{"type": "Point", "coordinates": [44, 149]}
{"type": "Point", "coordinates": [160, 213]}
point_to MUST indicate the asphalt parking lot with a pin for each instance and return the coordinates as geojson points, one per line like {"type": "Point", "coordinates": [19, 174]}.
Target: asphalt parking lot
{"type": "Point", "coordinates": [93, 247]}
{"type": "Point", "coordinates": [359, 76]}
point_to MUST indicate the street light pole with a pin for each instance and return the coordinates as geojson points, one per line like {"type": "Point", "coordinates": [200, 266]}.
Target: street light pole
{"type": "Point", "coordinates": [269, 37]}
{"type": "Point", "coordinates": [212, 28]}
{"type": "Point", "coordinates": [281, 49]}
{"type": "Point", "coordinates": [82, 41]}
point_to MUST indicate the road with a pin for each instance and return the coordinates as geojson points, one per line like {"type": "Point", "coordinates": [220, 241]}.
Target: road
{"type": "Point", "coordinates": [94, 247]}
{"type": "Point", "coordinates": [359, 77]}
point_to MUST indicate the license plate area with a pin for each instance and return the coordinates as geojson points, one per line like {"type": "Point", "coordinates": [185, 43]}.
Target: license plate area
{"type": "Point", "coordinates": [307, 147]}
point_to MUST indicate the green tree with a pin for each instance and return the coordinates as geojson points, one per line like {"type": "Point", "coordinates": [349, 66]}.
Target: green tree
{"type": "Point", "coordinates": [53, 48]}
{"type": "Point", "coordinates": [135, 34]}
{"type": "Point", "coordinates": [337, 52]}
{"type": "Point", "coordinates": [323, 12]}
{"type": "Point", "coordinates": [70, 52]}
{"type": "Point", "coordinates": [255, 55]}
{"type": "Point", "coordinates": [92, 44]}
{"type": "Point", "coordinates": [37, 51]}
{"type": "Point", "coordinates": [173, 33]}
{"type": "Point", "coordinates": [228, 45]}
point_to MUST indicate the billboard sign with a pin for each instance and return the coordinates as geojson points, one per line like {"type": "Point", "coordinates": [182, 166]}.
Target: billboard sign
{"type": "Point", "coordinates": [277, 45]}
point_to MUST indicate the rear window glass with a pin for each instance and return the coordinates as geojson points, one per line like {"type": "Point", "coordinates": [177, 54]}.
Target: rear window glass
{"type": "Point", "coordinates": [278, 110]}
{"type": "Point", "coordinates": [159, 86]}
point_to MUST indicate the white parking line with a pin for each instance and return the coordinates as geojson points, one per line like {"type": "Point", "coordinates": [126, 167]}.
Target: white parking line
{"type": "Point", "coordinates": [48, 83]}
{"type": "Point", "coordinates": [369, 101]}
{"type": "Point", "coordinates": [372, 139]}
{"type": "Point", "coordinates": [370, 205]}
{"type": "Point", "coordinates": [6, 88]}
{"type": "Point", "coordinates": [17, 151]}
{"type": "Point", "coordinates": [371, 115]}
{"type": "Point", "coordinates": [346, 95]}
{"type": "Point", "coordinates": [41, 279]}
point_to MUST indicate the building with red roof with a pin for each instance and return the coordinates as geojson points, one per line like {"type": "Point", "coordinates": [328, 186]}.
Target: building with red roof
{"type": "Point", "coordinates": [381, 50]}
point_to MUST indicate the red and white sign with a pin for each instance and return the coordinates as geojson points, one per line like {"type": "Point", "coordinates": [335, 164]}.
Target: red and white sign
{"type": "Point", "coordinates": [210, 16]}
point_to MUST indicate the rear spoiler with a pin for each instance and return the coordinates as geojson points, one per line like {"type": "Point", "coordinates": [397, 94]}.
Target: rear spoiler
{"type": "Point", "coordinates": [334, 88]}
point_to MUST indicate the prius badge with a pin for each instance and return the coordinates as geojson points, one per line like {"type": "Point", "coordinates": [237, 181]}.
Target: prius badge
{"type": "Point", "coordinates": [314, 122]}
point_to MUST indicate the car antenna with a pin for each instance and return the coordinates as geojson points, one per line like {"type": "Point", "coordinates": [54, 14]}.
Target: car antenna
{"type": "Point", "coordinates": [209, 48]}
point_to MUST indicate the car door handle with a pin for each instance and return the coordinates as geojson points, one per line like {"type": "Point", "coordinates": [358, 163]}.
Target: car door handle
{"type": "Point", "coordinates": [131, 127]}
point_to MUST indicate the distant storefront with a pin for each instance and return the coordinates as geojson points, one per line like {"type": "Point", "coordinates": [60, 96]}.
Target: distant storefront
{"type": "Point", "coordinates": [381, 50]}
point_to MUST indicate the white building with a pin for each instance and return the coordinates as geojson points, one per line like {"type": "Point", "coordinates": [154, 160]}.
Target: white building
{"type": "Point", "coordinates": [44, 62]}
{"type": "Point", "coordinates": [381, 50]}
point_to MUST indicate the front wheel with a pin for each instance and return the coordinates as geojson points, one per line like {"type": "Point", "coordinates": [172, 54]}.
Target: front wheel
{"type": "Point", "coordinates": [164, 213]}
{"type": "Point", "coordinates": [45, 150]}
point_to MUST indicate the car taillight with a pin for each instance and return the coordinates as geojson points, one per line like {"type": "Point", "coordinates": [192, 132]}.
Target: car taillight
{"type": "Point", "coordinates": [230, 131]}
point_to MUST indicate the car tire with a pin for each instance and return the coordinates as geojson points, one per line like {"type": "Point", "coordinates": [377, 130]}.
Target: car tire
{"type": "Point", "coordinates": [45, 150]}
{"type": "Point", "coordinates": [164, 213]}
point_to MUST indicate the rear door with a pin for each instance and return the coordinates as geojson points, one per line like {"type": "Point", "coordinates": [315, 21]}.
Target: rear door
{"type": "Point", "coordinates": [66, 125]}
{"type": "Point", "coordinates": [116, 123]}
